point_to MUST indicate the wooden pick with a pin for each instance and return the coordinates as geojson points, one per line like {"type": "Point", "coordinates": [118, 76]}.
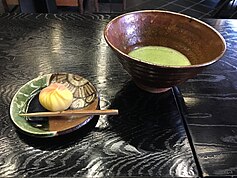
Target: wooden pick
{"type": "Point", "coordinates": [71, 113]}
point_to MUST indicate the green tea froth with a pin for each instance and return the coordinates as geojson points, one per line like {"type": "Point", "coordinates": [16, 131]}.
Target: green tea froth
{"type": "Point", "coordinates": [160, 55]}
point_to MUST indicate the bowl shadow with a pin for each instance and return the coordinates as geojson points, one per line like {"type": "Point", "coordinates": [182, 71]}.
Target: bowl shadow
{"type": "Point", "coordinates": [147, 121]}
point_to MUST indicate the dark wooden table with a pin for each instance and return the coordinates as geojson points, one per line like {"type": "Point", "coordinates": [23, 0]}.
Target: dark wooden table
{"type": "Point", "coordinates": [211, 108]}
{"type": "Point", "coordinates": [158, 135]}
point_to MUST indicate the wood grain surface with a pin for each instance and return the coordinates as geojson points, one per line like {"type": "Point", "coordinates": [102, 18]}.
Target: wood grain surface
{"type": "Point", "coordinates": [147, 138]}
{"type": "Point", "coordinates": [211, 108]}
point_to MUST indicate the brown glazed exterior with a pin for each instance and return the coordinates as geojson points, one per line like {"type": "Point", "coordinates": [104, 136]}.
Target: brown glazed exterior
{"type": "Point", "coordinates": [201, 43]}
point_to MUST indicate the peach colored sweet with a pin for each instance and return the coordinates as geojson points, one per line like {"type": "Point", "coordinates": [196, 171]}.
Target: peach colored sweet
{"type": "Point", "coordinates": [56, 97]}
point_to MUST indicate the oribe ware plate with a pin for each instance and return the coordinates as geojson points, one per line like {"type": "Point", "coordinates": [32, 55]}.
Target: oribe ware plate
{"type": "Point", "coordinates": [85, 96]}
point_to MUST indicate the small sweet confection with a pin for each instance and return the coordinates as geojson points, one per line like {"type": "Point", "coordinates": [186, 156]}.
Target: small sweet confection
{"type": "Point", "coordinates": [56, 97]}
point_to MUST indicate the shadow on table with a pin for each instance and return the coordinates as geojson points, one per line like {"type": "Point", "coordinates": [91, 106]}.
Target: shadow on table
{"type": "Point", "coordinates": [146, 120]}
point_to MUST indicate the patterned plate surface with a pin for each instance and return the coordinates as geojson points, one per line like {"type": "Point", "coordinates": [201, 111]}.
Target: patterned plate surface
{"type": "Point", "coordinates": [85, 96]}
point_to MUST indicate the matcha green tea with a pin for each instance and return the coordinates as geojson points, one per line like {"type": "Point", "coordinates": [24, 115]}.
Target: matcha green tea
{"type": "Point", "coordinates": [160, 55]}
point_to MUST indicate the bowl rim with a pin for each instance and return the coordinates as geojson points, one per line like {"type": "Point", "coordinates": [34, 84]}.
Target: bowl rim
{"type": "Point", "coordinates": [173, 13]}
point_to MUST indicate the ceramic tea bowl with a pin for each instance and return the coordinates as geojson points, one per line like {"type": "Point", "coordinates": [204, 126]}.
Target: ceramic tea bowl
{"type": "Point", "coordinates": [198, 41]}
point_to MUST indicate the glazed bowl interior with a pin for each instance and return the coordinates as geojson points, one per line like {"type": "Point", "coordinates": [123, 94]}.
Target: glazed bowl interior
{"type": "Point", "coordinates": [199, 42]}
